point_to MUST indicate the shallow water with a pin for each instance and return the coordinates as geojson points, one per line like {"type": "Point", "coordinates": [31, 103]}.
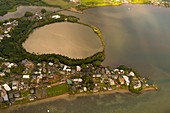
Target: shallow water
{"type": "Point", "coordinates": [137, 36]}
{"type": "Point", "coordinates": [68, 39]}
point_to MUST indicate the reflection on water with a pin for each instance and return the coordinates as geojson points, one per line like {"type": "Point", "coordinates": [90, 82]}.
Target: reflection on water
{"type": "Point", "coordinates": [139, 38]}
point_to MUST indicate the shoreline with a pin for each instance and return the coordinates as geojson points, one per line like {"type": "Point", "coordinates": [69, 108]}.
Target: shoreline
{"type": "Point", "coordinates": [69, 97]}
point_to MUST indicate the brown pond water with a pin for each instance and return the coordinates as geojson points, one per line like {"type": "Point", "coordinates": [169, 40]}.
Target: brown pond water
{"type": "Point", "coordinates": [68, 39]}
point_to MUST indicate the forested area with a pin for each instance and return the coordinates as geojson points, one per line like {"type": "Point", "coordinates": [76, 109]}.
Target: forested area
{"type": "Point", "coordinates": [11, 5]}
{"type": "Point", "coordinates": [12, 49]}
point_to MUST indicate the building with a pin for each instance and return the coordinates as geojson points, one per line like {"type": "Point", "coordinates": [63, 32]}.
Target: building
{"type": "Point", "coordinates": [26, 76]}
{"type": "Point", "coordinates": [14, 85]}
{"type": "Point", "coordinates": [127, 80]}
{"type": "Point", "coordinates": [131, 74]}
{"type": "Point", "coordinates": [56, 16]}
{"type": "Point", "coordinates": [75, 1]}
{"type": "Point", "coordinates": [2, 74]}
{"type": "Point", "coordinates": [121, 80]}
{"type": "Point", "coordinates": [6, 87]}
{"type": "Point", "coordinates": [78, 68]}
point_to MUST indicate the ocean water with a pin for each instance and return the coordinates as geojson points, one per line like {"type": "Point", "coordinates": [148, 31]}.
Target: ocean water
{"type": "Point", "coordinates": [137, 36]}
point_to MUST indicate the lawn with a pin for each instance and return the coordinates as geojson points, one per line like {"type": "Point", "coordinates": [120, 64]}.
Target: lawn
{"type": "Point", "coordinates": [98, 2]}
{"type": "Point", "coordinates": [60, 3]}
{"type": "Point", "coordinates": [57, 90]}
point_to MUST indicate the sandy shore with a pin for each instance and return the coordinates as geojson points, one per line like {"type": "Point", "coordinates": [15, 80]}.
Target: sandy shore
{"type": "Point", "coordinates": [69, 97]}
{"type": "Point", "coordinates": [68, 39]}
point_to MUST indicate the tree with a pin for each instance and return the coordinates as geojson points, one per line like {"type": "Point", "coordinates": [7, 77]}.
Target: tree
{"type": "Point", "coordinates": [43, 11]}
{"type": "Point", "coordinates": [28, 14]}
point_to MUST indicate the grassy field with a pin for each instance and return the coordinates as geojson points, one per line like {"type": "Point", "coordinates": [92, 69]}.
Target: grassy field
{"type": "Point", "coordinates": [57, 90]}
{"type": "Point", "coordinates": [60, 3]}
{"type": "Point", "coordinates": [99, 2]}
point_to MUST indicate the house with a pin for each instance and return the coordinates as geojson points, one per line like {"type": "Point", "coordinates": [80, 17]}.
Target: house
{"type": "Point", "coordinates": [78, 68]}
{"type": "Point", "coordinates": [27, 63]}
{"type": "Point", "coordinates": [11, 96]}
{"type": "Point", "coordinates": [107, 71]}
{"type": "Point", "coordinates": [68, 70]}
{"type": "Point", "coordinates": [5, 97]}
{"type": "Point", "coordinates": [69, 82]}
{"type": "Point", "coordinates": [7, 35]}
{"type": "Point", "coordinates": [1, 37]}
{"type": "Point", "coordinates": [122, 71]}
{"type": "Point", "coordinates": [121, 80]}
{"type": "Point", "coordinates": [14, 85]}
{"type": "Point", "coordinates": [26, 76]}
{"type": "Point", "coordinates": [17, 94]}
{"type": "Point", "coordinates": [116, 71]}
{"type": "Point", "coordinates": [12, 65]}
{"type": "Point", "coordinates": [32, 90]}
{"type": "Point", "coordinates": [2, 74]}
{"type": "Point", "coordinates": [115, 76]}
{"type": "Point", "coordinates": [112, 82]}
{"type": "Point", "coordinates": [50, 64]}
{"type": "Point", "coordinates": [85, 89]}
{"type": "Point", "coordinates": [97, 76]}
{"type": "Point", "coordinates": [109, 88]}
{"type": "Point", "coordinates": [65, 67]}
{"type": "Point", "coordinates": [127, 80]}
{"type": "Point", "coordinates": [56, 16]}
{"type": "Point", "coordinates": [131, 74]}
{"type": "Point", "coordinates": [75, 1]}
{"type": "Point", "coordinates": [77, 80]}
{"type": "Point", "coordinates": [95, 90]}
{"type": "Point", "coordinates": [137, 84]}
{"type": "Point", "coordinates": [6, 87]}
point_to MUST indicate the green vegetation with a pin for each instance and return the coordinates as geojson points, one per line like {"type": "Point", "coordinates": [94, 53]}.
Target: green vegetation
{"type": "Point", "coordinates": [25, 93]}
{"type": "Point", "coordinates": [97, 31]}
{"type": "Point", "coordinates": [28, 14]}
{"type": "Point", "coordinates": [12, 49]}
{"type": "Point", "coordinates": [60, 3]}
{"type": "Point", "coordinates": [11, 5]}
{"type": "Point", "coordinates": [43, 11]}
{"type": "Point", "coordinates": [88, 82]}
{"type": "Point", "coordinates": [57, 90]}
{"type": "Point", "coordinates": [127, 69]}
{"type": "Point", "coordinates": [131, 88]}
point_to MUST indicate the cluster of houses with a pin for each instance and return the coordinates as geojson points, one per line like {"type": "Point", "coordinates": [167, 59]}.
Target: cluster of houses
{"type": "Point", "coordinates": [24, 78]}
{"type": "Point", "coordinates": [105, 79]}
{"type": "Point", "coordinates": [17, 79]}
{"type": "Point", "coordinates": [160, 3]}
{"type": "Point", "coordinates": [6, 27]}
{"type": "Point", "coordinates": [75, 1]}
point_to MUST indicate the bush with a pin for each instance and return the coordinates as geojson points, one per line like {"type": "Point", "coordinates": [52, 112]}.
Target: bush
{"type": "Point", "coordinates": [28, 14]}
{"type": "Point", "coordinates": [43, 11]}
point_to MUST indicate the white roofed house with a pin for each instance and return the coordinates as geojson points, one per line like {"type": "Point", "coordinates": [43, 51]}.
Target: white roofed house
{"type": "Point", "coordinates": [75, 1]}
{"type": "Point", "coordinates": [78, 68]}
{"type": "Point", "coordinates": [122, 71]}
{"type": "Point", "coordinates": [127, 80]}
{"type": "Point", "coordinates": [65, 67]}
{"type": "Point", "coordinates": [2, 74]}
{"type": "Point", "coordinates": [131, 74]}
{"type": "Point", "coordinates": [26, 76]}
{"type": "Point", "coordinates": [6, 87]}
{"type": "Point", "coordinates": [56, 16]}
{"type": "Point", "coordinates": [111, 82]}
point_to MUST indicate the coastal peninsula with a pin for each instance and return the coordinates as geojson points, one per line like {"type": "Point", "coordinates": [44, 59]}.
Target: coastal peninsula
{"type": "Point", "coordinates": [27, 77]}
